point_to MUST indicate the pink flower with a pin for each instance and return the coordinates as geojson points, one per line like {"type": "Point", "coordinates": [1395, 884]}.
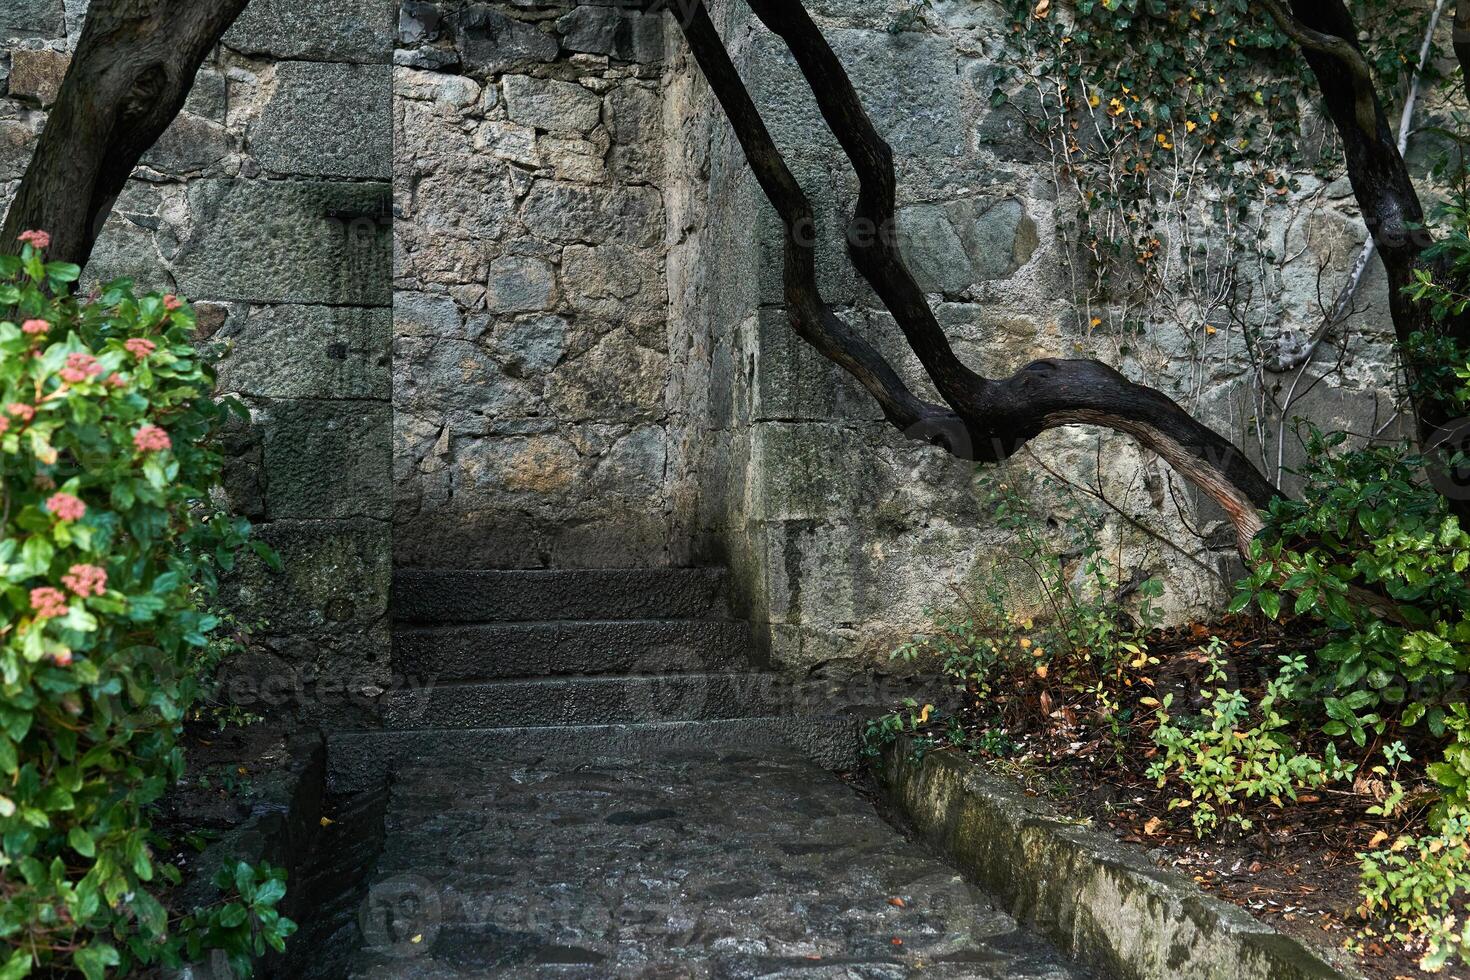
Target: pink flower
{"type": "Point", "coordinates": [62, 658]}
{"type": "Point", "coordinates": [172, 302]}
{"type": "Point", "coordinates": [86, 580]}
{"type": "Point", "coordinates": [115, 381]}
{"type": "Point", "coordinates": [151, 438]}
{"type": "Point", "coordinates": [140, 347]}
{"type": "Point", "coordinates": [21, 411]}
{"type": "Point", "coordinates": [34, 327]}
{"type": "Point", "coordinates": [4, 423]}
{"type": "Point", "coordinates": [36, 239]}
{"type": "Point", "coordinates": [48, 602]}
{"type": "Point", "coordinates": [79, 368]}
{"type": "Point", "coordinates": [66, 507]}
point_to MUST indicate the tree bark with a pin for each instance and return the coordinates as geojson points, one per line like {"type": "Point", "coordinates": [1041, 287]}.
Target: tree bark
{"type": "Point", "coordinates": [987, 419]}
{"type": "Point", "coordinates": [133, 68]}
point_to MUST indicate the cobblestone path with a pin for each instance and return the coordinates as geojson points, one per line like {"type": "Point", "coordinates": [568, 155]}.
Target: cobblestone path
{"type": "Point", "coordinates": [698, 864]}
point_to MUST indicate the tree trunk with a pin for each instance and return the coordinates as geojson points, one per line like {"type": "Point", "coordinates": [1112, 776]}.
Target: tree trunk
{"type": "Point", "coordinates": [133, 68]}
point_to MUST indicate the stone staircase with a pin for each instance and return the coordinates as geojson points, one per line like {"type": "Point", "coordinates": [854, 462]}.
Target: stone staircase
{"type": "Point", "coordinates": [617, 663]}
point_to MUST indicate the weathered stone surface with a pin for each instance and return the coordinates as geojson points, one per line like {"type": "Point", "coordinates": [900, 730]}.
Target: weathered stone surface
{"type": "Point", "coordinates": [327, 30]}
{"type": "Point", "coordinates": [429, 86]}
{"type": "Point", "coordinates": [17, 143]}
{"type": "Point", "coordinates": [908, 82]}
{"type": "Point", "coordinates": [334, 580]}
{"type": "Point", "coordinates": [530, 345]}
{"type": "Point", "coordinates": [519, 284]}
{"type": "Point", "coordinates": [764, 843]}
{"type": "Point", "coordinates": [426, 314]}
{"type": "Point", "coordinates": [616, 284]}
{"type": "Point", "coordinates": [492, 43]}
{"type": "Point", "coordinates": [509, 142]}
{"type": "Point", "coordinates": [327, 459]}
{"type": "Point", "coordinates": [32, 18]}
{"type": "Point", "coordinates": [1004, 239]}
{"type": "Point", "coordinates": [418, 22]}
{"type": "Point", "coordinates": [575, 158]}
{"type": "Point", "coordinates": [298, 241]}
{"type": "Point", "coordinates": [615, 380]}
{"type": "Point", "coordinates": [472, 201]}
{"type": "Point", "coordinates": [627, 35]}
{"type": "Point", "coordinates": [328, 120]}
{"type": "Point", "coordinates": [634, 116]}
{"type": "Point", "coordinates": [1108, 904]}
{"type": "Point", "coordinates": [551, 105]}
{"type": "Point", "coordinates": [207, 99]}
{"type": "Point", "coordinates": [37, 74]}
{"type": "Point", "coordinates": [190, 145]}
{"type": "Point", "coordinates": [571, 213]}
{"type": "Point", "coordinates": [309, 352]}
{"type": "Point", "coordinates": [933, 249]}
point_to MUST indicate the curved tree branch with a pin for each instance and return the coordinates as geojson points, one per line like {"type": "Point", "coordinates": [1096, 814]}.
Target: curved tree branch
{"type": "Point", "coordinates": [132, 70]}
{"type": "Point", "coordinates": [1330, 45]}
{"type": "Point", "coordinates": [998, 416]}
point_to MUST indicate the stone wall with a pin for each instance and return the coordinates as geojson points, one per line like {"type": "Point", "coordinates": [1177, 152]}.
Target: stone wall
{"type": "Point", "coordinates": [590, 363]}
{"type": "Point", "coordinates": [267, 205]}
{"type": "Point", "coordinates": [843, 532]}
{"type": "Point", "coordinates": [534, 417]}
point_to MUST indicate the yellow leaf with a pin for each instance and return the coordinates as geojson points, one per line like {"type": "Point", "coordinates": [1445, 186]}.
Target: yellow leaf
{"type": "Point", "coordinates": [1378, 838]}
{"type": "Point", "coordinates": [1094, 100]}
{"type": "Point", "coordinates": [1042, 9]}
{"type": "Point", "coordinates": [1025, 643]}
{"type": "Point", "coordinates": [417, 939]}
{"type": "Point", "coordinates": [924, 715]}
{"type": "Point", "coordinates": [1153, 826]}
{"type": "Point", "coordinates": [1041, 671]}
{"type": "Point", "coordinates": [327, 821]}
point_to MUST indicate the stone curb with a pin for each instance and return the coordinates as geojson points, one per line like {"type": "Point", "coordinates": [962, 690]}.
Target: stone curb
{"type": "Point", "coordinates": [1102, 901]}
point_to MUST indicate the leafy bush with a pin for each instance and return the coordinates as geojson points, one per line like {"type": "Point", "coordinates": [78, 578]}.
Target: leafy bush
{"type": "Point", "coordinates": [1367, 525]}
{"type": "Point", "coordinates": [1411, 885]}
{"type": "Point", "coordinates": [1239, 754]}
{"type": "Point", "coordinates": [109, 550]}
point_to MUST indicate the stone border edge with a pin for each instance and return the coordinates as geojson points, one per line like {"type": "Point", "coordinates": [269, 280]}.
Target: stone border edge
{"type": "Point", "coordinates": [1100, 900]}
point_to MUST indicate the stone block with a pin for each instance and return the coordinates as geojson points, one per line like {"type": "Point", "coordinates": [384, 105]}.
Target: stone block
{"type": "Point", "coordinates": [469, 198]}
{"type": "Point", "coordinates": [207, 98]}
{"type": "Point", "coordinates": [32, 18]}
{"type": "Point", "coordinates": [432, 86]}
{"type": "Point", "coordinates": [127, 249]}
{"type": "Point", "coordinates": [519, 284]}
{"type": "Point", "coordinates": [37, 75]}
{"type": "Point", "coordinates": [17, 143]}
{"type": "Point", "coordinates": [190, 145]}
{"type": "Point", "coordinates": [1002, 239]}
{"type": "Point", "coordinates": [335, 577]}
{"type": "Point", "coordinates": [294, 242]}
{"type": "Point", "coordinates": [327, 459]}
{"type": "Point", "coordinates": [619, 33]}
{"type": "Point", "coordinates": [616, 380]}
{"type": "Point", "coordinates": [559, 107]}
{"type": "Point", "coordinates": [933, 249]}
{"type": "Point", "coordinates": [426, 314]}
{"type": "Point", "coordinates": [308, 352]}
{"type": "Point", "coordinates": [530, 345]}
{"type": "Point", "coordinates": [325, 30]}
{"type": "Point", "coordinates": [570, 213]}
{"type": "Point", "coordinates": [419, 22]}
{"type": "Point", "coordinates": [908, 82]}
{"type": "Point", "coordinates": [617, 284]}
{"type": "Point", "coordinates": [491, 43]}
{"type": "Point", "coordinates": [327, 120]}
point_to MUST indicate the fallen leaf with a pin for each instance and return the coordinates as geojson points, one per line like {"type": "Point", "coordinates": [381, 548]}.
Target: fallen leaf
{"type": "Point", "coordinates": [1153, 826]}
{"type": "Point", "coordinates": [417, 939]}
{"type": "Point", "coordinates": [897, 903]}
{"type": "Point", "coordinates": [1042, 9]}
{"type": "Point", "coordinates": [327, 821]}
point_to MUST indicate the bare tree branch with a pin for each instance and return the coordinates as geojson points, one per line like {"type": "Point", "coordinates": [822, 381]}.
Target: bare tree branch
{"type": "Point", "coordinates": [999, 416]}
{"type": "Point", "coordinates": [132, 70]}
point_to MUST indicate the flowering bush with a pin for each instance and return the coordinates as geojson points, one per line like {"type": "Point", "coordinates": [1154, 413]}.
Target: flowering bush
{"type": "Point", "coordinates": [109, 550]}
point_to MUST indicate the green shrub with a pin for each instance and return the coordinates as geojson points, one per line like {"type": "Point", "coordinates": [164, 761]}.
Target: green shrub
{"type": "Point", "coordinates": [1367, 524]}
{"type": "Point", "coordinates": [109, 550]}
{"type": "Point", "coordinates": [1238, 754]}
{"type": "Point", "coordinates": [1411, 886]}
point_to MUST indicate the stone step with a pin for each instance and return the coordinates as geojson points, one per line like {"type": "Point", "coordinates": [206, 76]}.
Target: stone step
{"type": "Point", "coordinates": [555, 701]}
{"type": "Point", "coordinates": [487, 651]}
{"type": "Point", "coordinates": [359, 760]}
{"type": "Point", "coordinates": [533, 595]}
